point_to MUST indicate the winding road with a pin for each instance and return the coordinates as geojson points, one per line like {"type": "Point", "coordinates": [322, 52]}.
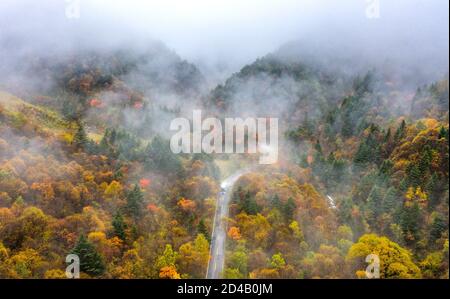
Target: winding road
{"type": "Point", "coordinates": [219, 233]}
{"type": "Point", "coordinates": [217, 249]}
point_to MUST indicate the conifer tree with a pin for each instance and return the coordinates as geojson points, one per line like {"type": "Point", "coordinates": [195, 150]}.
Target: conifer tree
{"type": "Point", "coordinates": [438, 226]}
{"type": "Point", "coordinates": [443, 133]}
{"type": "Point", "coordinates": [134, 202]}
{"type": "Point", "coordinates": [276, 202]}
{"type": "Point", "coordinates": [414, 175]}
{"type": "Point", "coordinates": [432, 189]}
{"type": "Point", "coordinates": [119, 226]}
{"type": "Point", "coordinates": [374, 204]}
{"type": "Point", "coordinates": [425, 160]}
{"type": "Point", "coordinates": [400, 131]}
{"type": "Point", "coordinates": [80, 139]}
{"type": "Point", "coordinates": [201, 229]}
{"type": "Point", "coordinates": [289, 208]}
{"type": "Point", "coordinates": [90, 260]}
{"type": "Point", "coordinates": [390, 201]}
{"type": "Point", "coordinates": [410, 222]}
{"type": "Point", "coordinates": [249, 204]}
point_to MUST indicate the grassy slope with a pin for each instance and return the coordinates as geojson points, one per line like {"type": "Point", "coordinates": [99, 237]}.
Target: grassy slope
{"type": "Point", "coordinates": [18, 113]}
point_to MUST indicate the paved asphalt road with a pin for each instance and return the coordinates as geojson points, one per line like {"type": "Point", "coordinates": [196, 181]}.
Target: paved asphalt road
{"type": "Point", "coordinates": [217, 250]}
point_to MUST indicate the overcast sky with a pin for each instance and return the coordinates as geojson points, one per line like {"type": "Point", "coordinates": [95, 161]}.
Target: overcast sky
{"type": "Point", "coordinates": [232, 31]}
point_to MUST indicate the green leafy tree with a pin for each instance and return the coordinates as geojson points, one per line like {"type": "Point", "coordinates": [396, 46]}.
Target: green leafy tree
{"type": "Point", "coordinates": [277, 261]}
{"type": "Point", "coordinates": [239, 260]}
{"type": "Point", "coordinates": [230, 273]}
{"type": "Point", "coordinates": [168, 258]}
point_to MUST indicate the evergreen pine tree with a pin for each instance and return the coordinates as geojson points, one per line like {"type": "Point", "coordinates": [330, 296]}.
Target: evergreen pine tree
{"type": "Point", "coordinates": [414, 175]}
{"type": "Point", "coordinates": [201, 229]}
{"type": "Point", "coordinates": [80, 139]}
{"type": "Point", "coordinates": [437, 228]}
{"type": "Point", "coordinates": [134, 202]}
{"type": "Point", "coordinates": [112, 137]}
{"type": "Point", "coordinates": [69, 110]}
{"type": "Point", "coordinates": [90, 260]}
{"type": "Point", "coordinates": [432, 189]}
{"type": "Point", "coordinates": [119, 226]}
{"type": "Point", "coordinates": [387, 136]}
{"type": "Point", "coordinates": [104, 145]}
{"type": "Point", "coordinates": [374, 204]}
{"type": "Point", "coordinates": [403, 184]}
{"type": "Point", "coordinates": [443, 133]}
{"type": "Point", "coordinates": [319, 160]}
{"type": "Point", "coordinates": [345, 210]}
{"type": "Point", "coordinates": [238, 195]}
{"type": "Point", "coordinates": [425, 160]}
{"type": "Point", "coordinates": [276, 202]}
{"type": "Point", "coordinates": [307, 125]}
{"type": "Point", "coordinates": [160, 158]}
{"type": "Point", "coordinates": [347, 125]}
{"type": "Point", "coordinates": [410, 222]}
{"type": "Point", "coordinates": [289, 208]}
{"type": "Point", "coordinates": [385, 169]}
{"type": "Point", "coordinates": [390, 201]}
{"type": "Point", "coordinates": [249, 204]}
{"type": "Point", "coordinates": [318, 147]}
{"type": "Point", "coordinates": [400, 133]}
{"type": "Point", "coordinates": [369, 149]}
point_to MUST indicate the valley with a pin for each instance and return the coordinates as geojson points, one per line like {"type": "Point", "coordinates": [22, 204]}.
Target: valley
{"type": "Point", "coordinates": [114, 144]}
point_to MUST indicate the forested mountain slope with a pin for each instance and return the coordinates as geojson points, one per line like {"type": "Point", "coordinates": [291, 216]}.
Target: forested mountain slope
{"type": "Point", "coordinates": [377, 150]}
{"type": "Point", "coordinates": [85, 167]}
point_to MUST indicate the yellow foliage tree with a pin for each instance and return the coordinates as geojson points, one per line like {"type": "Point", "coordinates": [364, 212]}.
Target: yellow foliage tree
{"type": "Point", "coordinates": [194, 257]}
{"type": "Point", "coordinates": [415, 195]}
{"type": "Point", "coordinates": [395, 261]}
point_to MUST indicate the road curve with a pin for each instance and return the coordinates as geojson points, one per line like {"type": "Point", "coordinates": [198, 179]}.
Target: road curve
{"type": "Point", "coordinates": [218, 236]}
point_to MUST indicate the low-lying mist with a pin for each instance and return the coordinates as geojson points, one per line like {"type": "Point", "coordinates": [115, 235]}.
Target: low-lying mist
{"type": "Point", "coordinates": [156, 61]}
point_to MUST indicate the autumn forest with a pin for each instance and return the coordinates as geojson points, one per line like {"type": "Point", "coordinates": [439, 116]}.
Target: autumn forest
{"type": "Point", "coordinates": [86, 167]}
